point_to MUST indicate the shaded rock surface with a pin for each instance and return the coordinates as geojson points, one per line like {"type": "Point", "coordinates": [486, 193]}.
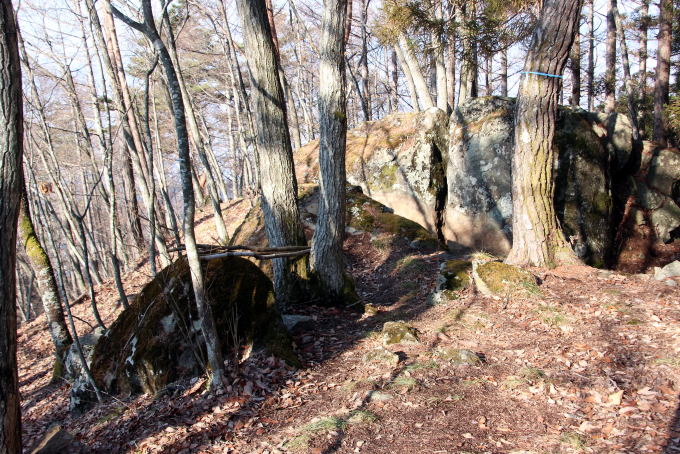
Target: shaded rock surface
{"type": "Point", "coordinates": [382, 355]}
{"type": "Point", "coordinates": [159, 340]}
{"type": "Point", "coordinates": [82, 393]}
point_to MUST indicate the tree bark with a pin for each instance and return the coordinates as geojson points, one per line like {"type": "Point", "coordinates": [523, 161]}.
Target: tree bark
{"type": "Point", "coordinates": [631, 95]}
{"type": "Point", "coordinates": [363, 63]}
{"type": "Point", "coordinates": [275, 157]}
{"type": "Point", "coordinates": [663, 69]}
{"type": "Point", "coordinates": [327, 258]}
{"type": "Point", "coordinates": [591, 55]}
{"type": "Point", "coordinates": [575, 63]}
{"type": "Point", "coordinates": [469, 66]}
{"type": "Point", "coordinates": [610, 74]}
{"type": "Point", "coordinates": [538, 239]}
{"type": "Point", "coordinates": [11, 182]}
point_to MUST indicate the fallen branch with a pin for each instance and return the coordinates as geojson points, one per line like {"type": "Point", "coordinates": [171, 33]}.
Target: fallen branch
{"type": "Point", "coordinates": [257, 255]}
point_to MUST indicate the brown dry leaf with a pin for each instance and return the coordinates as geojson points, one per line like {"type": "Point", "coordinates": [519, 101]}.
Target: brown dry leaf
{"type": "Point", "coordinates": [615, 398]}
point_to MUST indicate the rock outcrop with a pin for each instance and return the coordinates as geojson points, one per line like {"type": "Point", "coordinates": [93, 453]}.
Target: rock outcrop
{"type": "Point", "coordinates": [478, 211]}
{"type": "Point", "coordinates": [396, 161]}
{"type": "Point", "coordinates": [158, 340]}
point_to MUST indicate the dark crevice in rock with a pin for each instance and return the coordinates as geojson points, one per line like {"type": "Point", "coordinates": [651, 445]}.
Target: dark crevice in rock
{"type": "Point", "coordinates": [439, 185]}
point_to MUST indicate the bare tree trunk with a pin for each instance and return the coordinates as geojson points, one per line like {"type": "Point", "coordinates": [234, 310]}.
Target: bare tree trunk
{"type": "Point", "coordinates": [663, 69]}
{"type": "Point", "coordinates": [394, 79]}
{"type": "Point", "coordinates": [49, 293]}
{"type": "Point", "coordinates": [363, 62]}
{"type": "Point", "coordinates": [631, 95]}
{"type": "Point", "coordinates": [469, 65]}
{"type": "Point", "coordinates": [423, 93]}
{"type": "Point", "coordinates": [204, 310]}
{"type": "Point", "coordinates": [275, 157]}
{"type": "Point", "coordinates": [538, 239]}
{"type": "Point", "coordinates": [504, 72]}
{"type": "Point", "coordinates": [440, 66]}
{"type": "Point", "coordinates": [591, 55]}
{"type": "Point", "coordinates": [327, 258]}
{"type": "Point", "coordinates": [575, 63]}
{"type": "Point", "coordinates": [413, 94]}
{"type": "Point", "coordinates": [642, 45]}
{"type": "Point", "coordinates": [195, 135]}
{"type": "Point", "coordinates": [610, 75]}
{"type": "Point", "coordinates": [488, 75]}
{"type": "Point", "coordinates": [11, 182]}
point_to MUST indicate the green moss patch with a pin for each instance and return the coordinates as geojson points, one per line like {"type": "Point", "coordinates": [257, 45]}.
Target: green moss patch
{"type": "Point", "coordinates": [500, 279]}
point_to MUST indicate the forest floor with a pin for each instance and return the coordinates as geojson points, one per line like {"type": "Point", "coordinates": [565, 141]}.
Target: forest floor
{"type": "Point", "coordinates": [591, 364]}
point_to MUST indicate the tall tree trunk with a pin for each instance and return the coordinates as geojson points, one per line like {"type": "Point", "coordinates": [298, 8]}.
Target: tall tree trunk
{"type": "Point", "coordinates": [504, 72]}
{"type": "Point", "coordinates": [363, 62]}
{"type": "Point", "coordinates": [204, 310]}
{"type": "Point", "coordinates": [663, 69]}
{"type": "Point", "coordinates": [275, 157]}
{"type": "Point", "coordinates": [49, 293]}
{"type": "Point", "coordinates": [538, 239]}
{"type": "Point", "coordinates": [642, 46]}
{"type": "Point", "coordinates": [327, 258]}
{"type": "Point", "coordinates": [413, 94]}
{"type": "Point", "coordinates": [610, 74]}
{"type": "Point", "coordinates": [488, 75]}
{"type": "Point", "coordinates": [575, 63]}
{"type": "Point", "coordinates": [11, 182]}
{"type": "Point", "coordinates": [591, 55]}
{"type": "Point", "coordinates": [440, 66]}
{"type": "Point", "coordinates": [469, 66]}
{"type": "Point", "coordinates": [631, 95]}
{"type": "Point", "coordinates": [394, 79]}
{"type": "Point", "coordinates": [423, 93]}
{"type": "Point", "coordinates": [195, 134]}
{"type": "Point", "coordinates": [451, 73]}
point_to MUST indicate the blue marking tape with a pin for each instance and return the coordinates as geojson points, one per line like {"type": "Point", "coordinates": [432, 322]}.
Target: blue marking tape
{"type": "Point", "coordinates": [542, 74]}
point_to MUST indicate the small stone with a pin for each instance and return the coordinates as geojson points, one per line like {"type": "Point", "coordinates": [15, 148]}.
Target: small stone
{"type": "Point", "coordinates": [399, 332]}
{"type": "Point", "coordinates": [370, 309]}
{"type": "Point", "coordinates": [670, 270]}
{"type": "Point", "coordinates": [378, 396]}
{"type": "Point", "coordinates": [670, 283]}
{"type": "Point", "coordinates": [382, 355]}
{"type": "Point", "coordinates": [292, 321]}
{"type": "Point", "coordinates": [459, 356]}
{"type": "Point", "coordinates": [502, 280]}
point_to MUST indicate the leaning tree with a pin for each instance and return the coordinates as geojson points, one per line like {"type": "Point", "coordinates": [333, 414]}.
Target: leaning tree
{"type": "Point", "coordinates": [538, 239]}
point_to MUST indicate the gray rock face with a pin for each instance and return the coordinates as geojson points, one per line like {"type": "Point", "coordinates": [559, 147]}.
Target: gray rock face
{"type": "Point", "coordinates": [82, 394]}
{"type": "Point", "coordinates": [58, 441]}
{"type": "Point", "coordinates": [659, 194]}
{"type": "Point", "coordinates": [399, 333]}
{"type": "Point", "coordinates": [479, 178]}
{"type": "Point", "coordinates": [668, 271]}
{"type": "Point", "coordinates": [396, 161]}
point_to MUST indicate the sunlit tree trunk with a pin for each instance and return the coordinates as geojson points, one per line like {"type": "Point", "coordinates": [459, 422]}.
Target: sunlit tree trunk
{"type": "Point", "coordinates": [423, 93]}
{"type": "Point", "coordinates": [11, 182]}
{"type": "Point", "coordinates": [575, 64]}
{"type": "Point", "coordinates": [591, 55]}
{"type": "Point", "coordinates": [413, 94]}
{"type": "Point", "coordinates": [610, 74]}
{"type": "Point", "coordinates": [538, 239]}
{"type": "Point", "coordinates": [663, 69]}
{"type": "Point", "coordinates": [327, 258]}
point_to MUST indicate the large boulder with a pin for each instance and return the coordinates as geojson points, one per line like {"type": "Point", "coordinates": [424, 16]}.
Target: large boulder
{"type": "Point", "coordinates": [478, 211]}
{"type": "Point", "coordinates": [396, 161]}
{"type": "Point", "coordinates": [158, 340]}
{"type": "Point", "coordinates": [659, 193]}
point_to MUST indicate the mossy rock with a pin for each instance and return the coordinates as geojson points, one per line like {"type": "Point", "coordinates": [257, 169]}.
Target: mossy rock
{"type": "Point", "coordinates": [158, 340]}
{"type": "Point", "coordinates": [399, 333]}
{"type": "Point", "coordinates": [382, 355]}
{"type": "Point", "coordinates": [500, 279]}
{"type": "Point", "coordinates": [454, 276]}
{"type": "Point", "coordinates": [459, 356]}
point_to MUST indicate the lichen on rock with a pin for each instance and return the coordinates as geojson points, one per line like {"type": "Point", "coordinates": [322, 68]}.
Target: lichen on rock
{"type": "Point", "coordinates": [502, 280]}
{"type": "Point", "coordinates": [399, 333]}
